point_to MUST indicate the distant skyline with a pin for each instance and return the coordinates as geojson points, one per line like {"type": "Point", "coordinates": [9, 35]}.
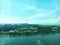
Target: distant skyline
{"type": "Point", "coordinates": [30, 11]}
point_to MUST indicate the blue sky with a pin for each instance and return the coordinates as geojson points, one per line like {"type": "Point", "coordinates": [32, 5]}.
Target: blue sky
{"type": "Point", "coordinates": [30, 11]}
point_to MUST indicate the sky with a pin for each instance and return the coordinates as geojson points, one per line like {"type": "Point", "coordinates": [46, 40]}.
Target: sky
{"type": "Point", "coordinates": [30, 11]}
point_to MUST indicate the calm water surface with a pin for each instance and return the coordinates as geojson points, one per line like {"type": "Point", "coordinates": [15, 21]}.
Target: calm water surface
{"type": "Point", "coordinates": [50, 39]}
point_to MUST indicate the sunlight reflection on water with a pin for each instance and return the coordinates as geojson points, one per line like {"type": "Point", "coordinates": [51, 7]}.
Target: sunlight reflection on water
{"type": "Point", "coordinates": [39, 42]}
{"type": "Point", "coordinates": [2, 43]}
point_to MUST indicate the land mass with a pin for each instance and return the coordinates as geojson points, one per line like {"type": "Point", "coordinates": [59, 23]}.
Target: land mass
{"type": "Point", "coordinates": [28, 29]}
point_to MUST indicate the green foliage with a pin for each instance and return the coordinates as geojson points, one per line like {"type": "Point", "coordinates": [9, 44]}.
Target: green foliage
{"type": "Point", "coordinates": [31, 27]}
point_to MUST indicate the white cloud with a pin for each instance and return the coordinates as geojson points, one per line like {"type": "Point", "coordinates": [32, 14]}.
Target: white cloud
{"type": "Point", "coordinates": [58, 18]}
{"type": "Point", "coordinates": [53, 20]}
{"type": "Point", "coordinates": [33, 8]}
{"type": "Point", "coordinates": [53, 11]}
{"type": "Point", "coordinates": [47, 21]}
{"type": "Point", "coordinates": [9, 19]}
{"type": "Point", "coordinates": [36, 15]}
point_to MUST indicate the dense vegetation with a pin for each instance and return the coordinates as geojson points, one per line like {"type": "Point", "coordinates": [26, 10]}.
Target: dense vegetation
{"type": "Point", "coordinates": [28, 28]}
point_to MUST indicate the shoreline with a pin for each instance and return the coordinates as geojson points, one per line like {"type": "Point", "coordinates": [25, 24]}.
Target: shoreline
{"type": "Point", "coordinates": [27, 33]}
